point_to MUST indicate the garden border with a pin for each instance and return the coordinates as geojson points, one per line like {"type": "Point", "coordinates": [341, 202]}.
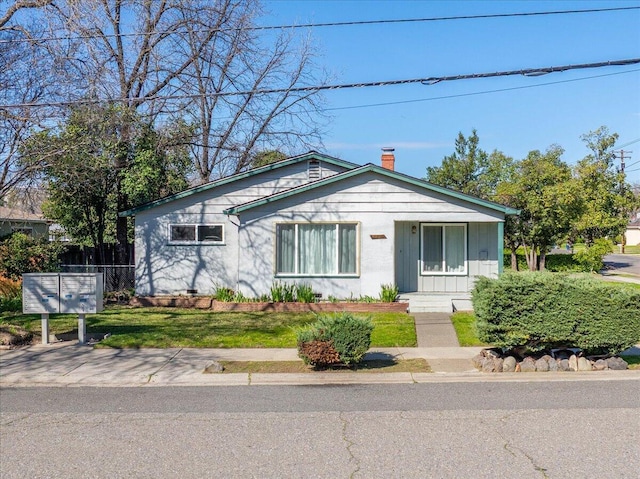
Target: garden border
{"type": "Point", "coordinates": [249, 307]}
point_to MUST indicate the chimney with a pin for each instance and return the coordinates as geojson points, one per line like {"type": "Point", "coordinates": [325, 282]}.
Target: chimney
{"type": "Point", "coordinates": [388, 158]}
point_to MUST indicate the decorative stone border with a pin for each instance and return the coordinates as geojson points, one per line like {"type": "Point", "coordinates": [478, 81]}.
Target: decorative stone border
{"type": "Point", "coordinates": [493, 361]}
{"type": "Point", "coordinates": [220, 306]}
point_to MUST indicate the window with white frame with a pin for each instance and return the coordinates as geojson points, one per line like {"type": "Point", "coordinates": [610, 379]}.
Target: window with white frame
{"type": "Point", "coordinates": [444, 249]}
{"type": "Point", "coordinates": [196, 233]}
{"type": "Point", "coordinates": [311, 249]}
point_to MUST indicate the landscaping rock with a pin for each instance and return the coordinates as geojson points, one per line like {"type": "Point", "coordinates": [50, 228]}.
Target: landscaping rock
{"type": "Point", "coordinates": [563, 365]}
{"type": "Point", "coordinates": [584, 364]}
{"type": "Point", "coordinates": [542, 366]}
{"type": "Point", "coordinates": [617, 364]}
{"type": "Point", "coordinates": [509, 364]}
{"type": "Point", "coordinates": [553, 364]}
{"type": "Point", "coordinates": [600, 365]}
{"type": "Point", "coordinates": [214, 368]}
{"type": "Point", "coordinates": [477, 361]}
{"type": "Point", "coordinates": [573, 363]}
{"type": "Point", "coordinates": [528, 365]}
{"type": "Point", "coordinates": [489, 365]}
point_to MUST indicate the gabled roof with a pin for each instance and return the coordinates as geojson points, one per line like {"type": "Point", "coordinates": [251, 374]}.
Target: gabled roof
{"type": "Point", "coordinates": [15, 214]}
{"type": "Point", "coordinates": [230, 179]}
{"type": "Point", "coordinates": [381, 171]}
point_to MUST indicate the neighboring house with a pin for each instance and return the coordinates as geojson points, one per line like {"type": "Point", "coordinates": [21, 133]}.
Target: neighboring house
{"type": "Point", "coordinates": [343, 228]}
{"type": "Point", "coordinates": [14, 220]}
{"type": "Point", "coordinates": [632, 234]}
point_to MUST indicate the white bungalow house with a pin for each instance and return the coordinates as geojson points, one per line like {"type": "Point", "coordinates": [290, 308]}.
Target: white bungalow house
{"type": "Point", "coordinates": [343, 228]}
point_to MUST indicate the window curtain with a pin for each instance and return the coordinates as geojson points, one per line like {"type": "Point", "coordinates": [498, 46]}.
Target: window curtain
{"type": "Point", "coordinates": [317, 249]}
{"type": "Point", "coordinates": [347, 251]}
{"type": "Point", "coordinates": [454, 249]}
{"type": "Point", "coordinates": [432, 248]}
{"type": "Point", "coordinates": [285, 253]}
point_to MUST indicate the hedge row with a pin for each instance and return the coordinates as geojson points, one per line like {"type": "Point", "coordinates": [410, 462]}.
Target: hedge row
{"type": "Point", "coordinates": [541, 311]}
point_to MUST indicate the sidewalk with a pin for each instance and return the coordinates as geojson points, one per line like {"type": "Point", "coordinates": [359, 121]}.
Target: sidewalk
{"type": "Point", "coordinates": [70, 364]}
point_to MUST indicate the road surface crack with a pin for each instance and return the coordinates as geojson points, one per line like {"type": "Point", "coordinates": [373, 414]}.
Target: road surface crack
{"type": "Point", "coordinates": [350, 444]}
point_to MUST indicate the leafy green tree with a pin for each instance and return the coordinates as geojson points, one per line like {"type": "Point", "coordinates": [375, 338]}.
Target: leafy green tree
{"type": "Point", "coordinates": [104, 160]}
{"type": "Point", "coordinates": [549, 200]}
{"type": "Point", "coordinates": [266, 157]}
{"type": "Point", "coordinates": [608, 200]}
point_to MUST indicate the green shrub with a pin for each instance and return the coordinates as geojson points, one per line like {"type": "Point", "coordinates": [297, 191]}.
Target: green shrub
{"type": "Point", "coordinates": [591, 257]}
{"type": "Point", "coordinates": [283, 292]}
{"type": "Point", "coordinates": [559, 263]}
{"type": "Point", "coordinates": [388, 293]}
{"type": "Point", "coordinates": [10, 295]}
{"type": "Point", "coordinates": [20, 254]}
{"type": "Point", "coordinates": [540, 311]}
{"type": "Point", "coordinates": [349, 335]}
{"type": "Point", "coordinates": [224, 294]}
{"type": "Point", "coordinates": [305, 294]}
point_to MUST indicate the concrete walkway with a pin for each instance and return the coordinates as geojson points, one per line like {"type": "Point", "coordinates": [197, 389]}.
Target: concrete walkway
{"type": "Point", "coordinates": [435, 331]}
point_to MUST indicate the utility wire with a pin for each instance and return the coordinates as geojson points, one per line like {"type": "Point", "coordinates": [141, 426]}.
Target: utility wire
{"type": "Point", "coordinates": [530, 72]}
{"type": "Point", "coordinates": [499, 90]}
{"type": "Point", "coordinates": [332, 24]}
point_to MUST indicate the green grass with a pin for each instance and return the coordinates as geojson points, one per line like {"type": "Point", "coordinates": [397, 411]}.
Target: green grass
{"type": "Point", "coordinates": [465, 325]}
{"type": "Point", "coordinates": [633, 361]}
{"type": "Point", "coordinates": [631, 249]}
{"type": "Point", "coordinates": [370, 366]}
{"type": "Point", "coordinates": [190, 328]}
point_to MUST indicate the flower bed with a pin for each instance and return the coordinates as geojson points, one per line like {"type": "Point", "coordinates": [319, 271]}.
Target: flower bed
{"type": "Point", "coordinates": [245, 307]}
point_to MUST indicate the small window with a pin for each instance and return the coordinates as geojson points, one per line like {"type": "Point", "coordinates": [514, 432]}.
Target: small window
{"type": "Point", "coordinates": [196, 234]}
{"type": "Point", "coordinates": [210, 233]}
{"type": "Point", "coordinates": [444, 249]}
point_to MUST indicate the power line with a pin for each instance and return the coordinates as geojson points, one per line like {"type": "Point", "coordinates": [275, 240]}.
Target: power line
{"type": "Point", "coordinates": [499, 90]}
{"type": "Point", "coordinates": [333, 24]}
{"type": "Point", "coordinates": [530, 72]}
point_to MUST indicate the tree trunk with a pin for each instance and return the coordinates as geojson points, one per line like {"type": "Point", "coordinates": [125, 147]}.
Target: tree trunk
{"type": "Point", "coordinates": [514, 260]}
{"type": "Point", "coordinates": [543, 258]}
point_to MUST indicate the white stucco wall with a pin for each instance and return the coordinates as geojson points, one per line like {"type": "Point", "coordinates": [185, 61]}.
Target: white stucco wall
{"type": "Point", "coordinates": [377, 205]}
{"type": "Point", "coordinates": [163, 268]}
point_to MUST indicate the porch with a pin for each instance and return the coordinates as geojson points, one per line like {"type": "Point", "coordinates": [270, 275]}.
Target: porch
{"type": "Point", "coordinates": [425, 302]}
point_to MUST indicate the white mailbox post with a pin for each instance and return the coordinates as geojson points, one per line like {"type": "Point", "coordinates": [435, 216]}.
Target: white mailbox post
{"type": "Point", "coordinates": [76, 293]}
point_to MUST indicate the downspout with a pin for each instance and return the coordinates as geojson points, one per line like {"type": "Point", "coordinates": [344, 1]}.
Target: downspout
{"type": "Point", "coordinates": [500, 247]}
{"type": "Point", "coordinates": [238, 250]}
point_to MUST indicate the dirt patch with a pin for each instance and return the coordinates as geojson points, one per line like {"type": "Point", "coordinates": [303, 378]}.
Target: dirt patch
{"type": "Point", "coordinates": [13, 336]}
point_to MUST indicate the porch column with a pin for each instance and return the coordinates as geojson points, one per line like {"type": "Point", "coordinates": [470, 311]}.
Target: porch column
{"type": "Point", "coordinates": [500, 247]}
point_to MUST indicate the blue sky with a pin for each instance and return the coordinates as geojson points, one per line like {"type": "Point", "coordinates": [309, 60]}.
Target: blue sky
{"type": "Point", "coordinates": [424, 128]}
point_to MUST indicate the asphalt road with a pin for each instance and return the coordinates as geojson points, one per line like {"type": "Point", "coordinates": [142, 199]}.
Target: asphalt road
{"type": "Point", "coordinates": [586, 429]}
{"type": "Point", "coordinates": [623, 263]}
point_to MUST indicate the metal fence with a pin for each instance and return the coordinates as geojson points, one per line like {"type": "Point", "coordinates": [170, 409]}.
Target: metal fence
{"type": "Point", "coordinates": [116, 277]}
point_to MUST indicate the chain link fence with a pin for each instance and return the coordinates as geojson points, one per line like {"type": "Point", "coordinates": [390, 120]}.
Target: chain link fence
{"type": "Point", "coordinates": [116, 277]}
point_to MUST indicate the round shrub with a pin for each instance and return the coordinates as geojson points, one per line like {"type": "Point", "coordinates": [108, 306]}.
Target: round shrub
{"type": "Point", "coordinates": [348, 335]}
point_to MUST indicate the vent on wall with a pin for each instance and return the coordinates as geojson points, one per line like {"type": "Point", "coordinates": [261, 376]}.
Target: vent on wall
{"type": "Point", "coordinates": [314, 170]}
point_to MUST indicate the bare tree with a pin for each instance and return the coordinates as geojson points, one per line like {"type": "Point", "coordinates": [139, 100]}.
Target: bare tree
{"type": "Point", "coordinates": [196, 61]}
{"type": "Point", "coordinates": [23, 70]}
{"type": "Point", "coordinates": [232, 128]}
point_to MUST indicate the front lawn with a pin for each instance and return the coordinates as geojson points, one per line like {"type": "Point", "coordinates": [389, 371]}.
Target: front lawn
{"type": "Point", "coordinates": [465, 325]}
{"type": "Point", "coordinates": [191, 328]}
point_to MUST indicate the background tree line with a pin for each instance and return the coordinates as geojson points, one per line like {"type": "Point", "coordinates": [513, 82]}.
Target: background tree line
{"type": "Point", "coordinates": [590, 201]}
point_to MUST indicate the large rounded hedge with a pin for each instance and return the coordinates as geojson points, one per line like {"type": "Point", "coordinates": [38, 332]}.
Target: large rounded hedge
{"type": "Point", "coordinates": [541, 311]}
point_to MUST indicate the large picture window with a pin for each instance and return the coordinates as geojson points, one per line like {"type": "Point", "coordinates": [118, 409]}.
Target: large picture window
{"type": "Point", "coordinates": [444, 249]}
{"type": "Point", "coordinates": [309, 249]}
{"type": "Point", "coordinates": [196, 233]}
